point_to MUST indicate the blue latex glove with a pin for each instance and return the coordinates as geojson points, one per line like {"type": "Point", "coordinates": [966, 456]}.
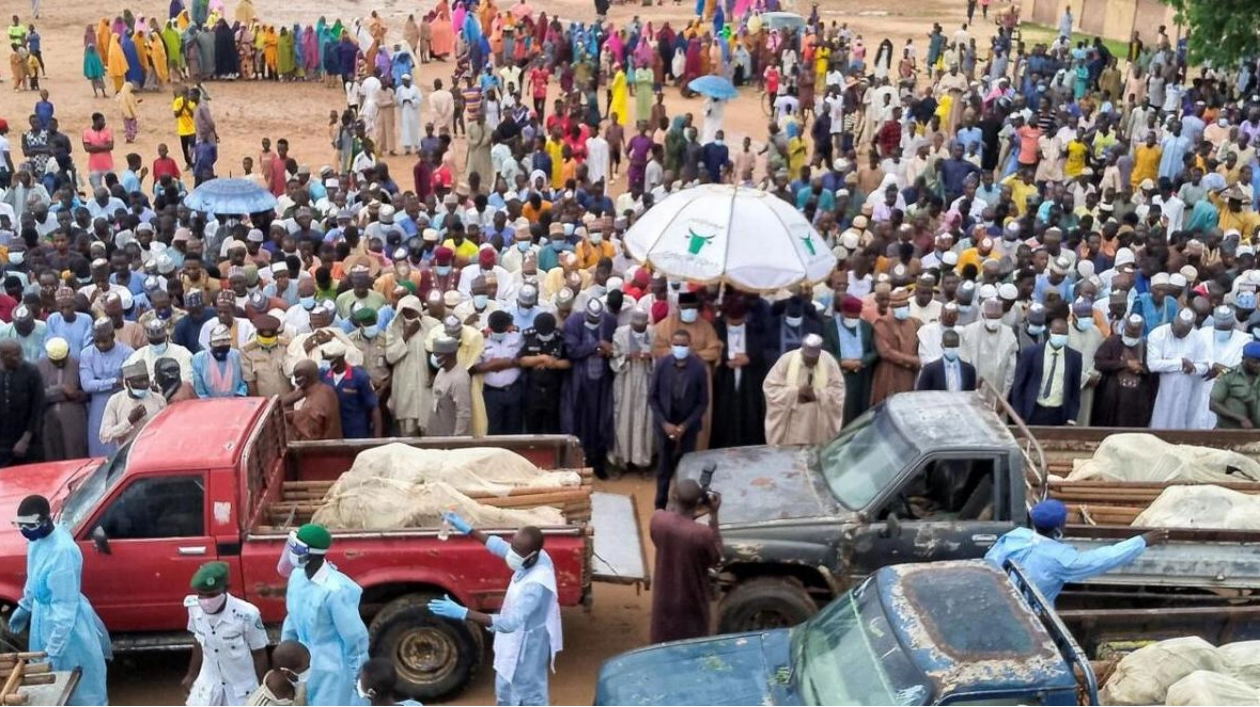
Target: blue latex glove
{"type": "Point", "coordinates": [448, 609]}
{"type": "Point", "coordinates": [459, 524]}
{"type": "Point", "coordinates": [19, 620]}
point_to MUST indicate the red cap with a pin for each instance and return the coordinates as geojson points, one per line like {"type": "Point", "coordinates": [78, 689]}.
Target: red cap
{"type": "Point", "coordinates": [443, 255]}
{"type": "Point", "coordinates": [486, 257]}
{"type": "Point", "coordinates": [660, 309]}
{"type": "Point", "coordinates": [4, 125]}
{"type": "Point", "coordinates": [851, 306]}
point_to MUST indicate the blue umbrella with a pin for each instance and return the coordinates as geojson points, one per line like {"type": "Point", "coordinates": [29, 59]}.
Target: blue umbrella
{"type": "Point", "coordinates": [713, 86]}
{"type": "Point", "coordinates": [230, 196]}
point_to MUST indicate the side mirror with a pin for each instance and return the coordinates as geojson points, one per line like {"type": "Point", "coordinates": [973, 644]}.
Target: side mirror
{"type": "Point", "coordinates": [892, 527]}
{"type": "Point", "coordinates": [100, 540]}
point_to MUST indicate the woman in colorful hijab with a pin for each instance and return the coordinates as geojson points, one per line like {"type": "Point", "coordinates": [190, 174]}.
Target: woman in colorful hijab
{"type": "Point", "coordinates": [116, 67]}
{"type": "Point", "coordinates": [158, 59]}
{"type": "Point", "coordinates": [130, 108]}
{"type": "Point", "coordinates": [285, 63]}
{"type": "Point", "coordinates": [94, 69]}
{"type": "Point", "coordinates": [226, 60]}
{"type": "Point", "coordinates": [135, 69]}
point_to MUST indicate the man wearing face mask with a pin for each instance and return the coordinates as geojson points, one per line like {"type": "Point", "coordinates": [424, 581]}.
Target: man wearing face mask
{"type": "Point", "coordinates": [678, 396]}
{"type": "Point", "coordinates": [452, 410]}
{"type": "Point", "coordinates": [360, 411]}
{"type": "Point", "coordinates": [897, 342]}
{"type": "Point", "coordinates": [1047, 386]}
{"type": "Point", "coordinates": [1225, 353]}
{"type": "Point", "coordinates": [130, 409]}
{"type": "Point", "coordinates": [229, 656]}
{"type": "Point", "coordinates": [322, 613]}
{"type": "Point", "coordinates": [543, 357]}
{"type": "Point", "coordinates": [1181, 358]}
{"type": "Point", "coordinates": [525, 310]}
{"type": "Point", "coordinates": [297, 319]}
{"type": "Point", "coordinates": [1051, 563]}
{"type": "Point", "coordinates": [704, 343]}
{"type": "Point", "coordinates": [319, 415]}
{"type": "Point", "coordinates": [101, 376]}
{"type": "Point", "coordinates": [851, 341]}
{"type": "Point", "coordinates": [1084, 336]}
{"type": "Point", "coordinates": [262, 359]}
{"type": "Point", "coordinates": [62, 622]}
{"type": "Point", "coordinates": [367, 338]}
{"type": "Point", "coordinates": [285, 683]}
{"type": "Point", "coordinates": [476, 310]}
{"type": "Point", "coordinates": [216, 372]}
{"type": "Point", "coordinates": [1032, 331]}
{"type": "Point", "coordinates": [527, 629]}
{"type": "Point", "coordinates": [160, 346]}
{"type": "Point", "coordinates": [405, 354]}
{"type": "Point", "coordinates": [500, 371]}
{"type": "Point", "coordinates": [949, 372]}
{"type": "Point", "coordinates": [587, 411]}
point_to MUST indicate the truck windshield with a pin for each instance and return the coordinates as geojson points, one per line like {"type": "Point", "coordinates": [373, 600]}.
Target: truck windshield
{"type": "Point", "coordinates": [848, 655]}
{"type": "Point", "coordinates": [866, 456]}
{"type": "Point", "coordinates": [89, 491]}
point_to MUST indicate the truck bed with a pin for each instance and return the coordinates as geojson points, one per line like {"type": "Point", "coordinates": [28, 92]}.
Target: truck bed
{"type": "Point", "coordinates": [1118, 503]}
{"type": "Point", "coordinates": [311, 468]}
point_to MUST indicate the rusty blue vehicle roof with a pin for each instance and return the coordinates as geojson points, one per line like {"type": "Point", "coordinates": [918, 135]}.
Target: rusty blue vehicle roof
{"type": "Point", "coordinates": [938, 420]}
{"type": "Point", "coordinates": [965, 626]}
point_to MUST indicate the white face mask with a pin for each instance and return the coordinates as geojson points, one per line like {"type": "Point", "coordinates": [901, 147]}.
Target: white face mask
{"type": "Point", "coordinates": [852, 322]}
{"type": "Point", "coordinates": [212, 605]}
{"type": "Point", "coordinates": [688, 316]}
{"type": "Point", "coordinates": [992, 324]}
{"type": "Point", "coordinates": [363, 694]}
{"type": "Point", "coordinates": [793, 321]}
{"type": "Point", "coordinates": [296, 679]}
{"type": "Point", "coordinates": [515, 562]}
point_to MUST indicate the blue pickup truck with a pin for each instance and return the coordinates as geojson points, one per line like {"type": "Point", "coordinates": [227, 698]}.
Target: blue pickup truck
{"type": "Point", "coordinates": [960, 632]}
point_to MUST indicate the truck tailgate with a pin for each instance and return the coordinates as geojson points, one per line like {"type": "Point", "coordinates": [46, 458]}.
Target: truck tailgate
{"type": "Point", "coordinates": [619, 556]}
{"type": "Point", "coordinates": [1206, 565]}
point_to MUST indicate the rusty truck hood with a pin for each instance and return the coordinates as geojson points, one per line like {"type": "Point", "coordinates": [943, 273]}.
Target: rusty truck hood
{"type": "Point", "coordinates": [760, 484]}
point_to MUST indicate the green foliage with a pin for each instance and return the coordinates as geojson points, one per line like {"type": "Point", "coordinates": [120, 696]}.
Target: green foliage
{"type": "Point", "coordinates": [1221, 31]}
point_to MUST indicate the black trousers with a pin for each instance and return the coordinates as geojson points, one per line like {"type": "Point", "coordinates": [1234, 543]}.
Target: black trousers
{"type": "Point", "coordinates": [503, 408]}
{"type": "Point", "coordinates": [668, 452]}
{"type": "Point", "coordinates": [1053, 417]}
{"type": "Point", "coordinates": [186, 143]}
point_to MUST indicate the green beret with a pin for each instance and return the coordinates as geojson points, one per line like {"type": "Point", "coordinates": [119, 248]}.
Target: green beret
{"type": "Point", "coordinates": [316, 537]}
{"type": "Point", "coordinates": [363, 314]}
{"type": "Point", "coordinates": [210, 577]}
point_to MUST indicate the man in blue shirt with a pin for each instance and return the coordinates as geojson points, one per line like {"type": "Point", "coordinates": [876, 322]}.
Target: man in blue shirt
{"type": "Point", "coordinates": [355, 394]}
{"type": "Point", "coordinates": [1049, 563]}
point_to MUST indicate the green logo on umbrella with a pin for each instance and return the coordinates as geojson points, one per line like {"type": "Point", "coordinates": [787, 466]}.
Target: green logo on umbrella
{"type": "Point", "coordinates": [697, 242]}
{"type": "Point", "coordinates": [809, 244]}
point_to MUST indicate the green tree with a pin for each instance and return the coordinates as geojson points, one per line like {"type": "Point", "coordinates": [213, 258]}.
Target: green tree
{"type": "Point", "coordinates": [1221, 31]}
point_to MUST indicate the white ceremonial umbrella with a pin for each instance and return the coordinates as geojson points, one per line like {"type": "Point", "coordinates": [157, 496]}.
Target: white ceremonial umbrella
{"type": "Point", "coordinates": [722, 233]}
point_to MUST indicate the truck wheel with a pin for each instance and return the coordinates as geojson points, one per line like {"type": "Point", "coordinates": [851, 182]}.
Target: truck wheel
{"type": "Point", "coordinates": [764, 603]}
{"type": "Point", "coordinates": [435, 657]}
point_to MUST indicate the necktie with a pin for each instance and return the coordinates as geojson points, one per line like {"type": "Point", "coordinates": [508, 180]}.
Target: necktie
{"type": "Point", "coordinates": [1054, 363]}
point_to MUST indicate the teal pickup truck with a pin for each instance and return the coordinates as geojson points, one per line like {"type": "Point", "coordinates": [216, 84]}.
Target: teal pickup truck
{"type": "Point", "coordinates": [961, 632]}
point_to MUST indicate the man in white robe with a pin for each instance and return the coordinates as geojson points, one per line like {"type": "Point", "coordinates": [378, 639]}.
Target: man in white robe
{"type": "Point", "coordinates": [408, 98]}
{"type": "Point", "coordinates": [804, 396]}
{"type": "Point", "coordinates": [1225, 349]}
{"type": "Point", "coordinates": [990, 346]}
{"type": "Point", "coordinates": [632, 364]}
{"type": "Point", "coordinates": [1180, 357]}
{"type": "Point", "coordinates": [128, 410]}
{"type": "Point", "coordinates": [597, 158]}
{"type": "Point", "coordinates": [405, 352]}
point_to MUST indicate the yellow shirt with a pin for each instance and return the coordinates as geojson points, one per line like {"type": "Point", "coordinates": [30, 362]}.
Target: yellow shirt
{"type": "Point", "coordinates": [555, 150]}
{"type": "Point", "coordinates": [466, 251]}
{"type": "Point", "coordinates": [1019, 193]}
{"type": "Point", "coordinates": [1145, 165]}
{"type": "Point", "coordinates": [183, 120]}
{"type": "Point", "coordinates": [1076, 152]}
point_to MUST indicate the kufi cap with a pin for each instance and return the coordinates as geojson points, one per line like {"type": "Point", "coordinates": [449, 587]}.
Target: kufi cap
{"type": "Point", "coordinates": [812, 342]}
{"type": "Point", "coordinates": [1177, 280]}
{"type": "Point", "coordinates": [899, 297]}
{"type": "Point", "coordinates": [528, 294]}
{"type": "Point", "coordinates": [451, 298]}
{"type": "Point", "coordinates": [155, 327]}
{"type": "Point", "coordinates": [1036, 313]}
{"type": "Point", "coordinates": [1085, 268]}
{"type": "Point", "coordinates": [386, 214]}
{"type": "Point", "coordinates": [333, 349]}
{"type": "Point", "coordinates": [194, 298]}
{"type": "Point", "coordinates": [564, 296]}
{"type": "Point", "coordinates": [1124, 256]}
{"type": "Point", "coordinates": [56, 348]}
{"type": "Point", "coordinates": [135, 369]}
{"type": "Point", "coordinates": [266, 322]}
{"type": "Point", "coordinates": [315, 537]}
{"type": "Point", "coordinates": [1147, 184]}
{"type": "Point", "coordinates": [210, 577]}
{"type": "Point", "coordinates": [430, 235]}
{"type": "Point", "coordinates": [1082, 307]}
{"type": "Point", "coordinates": [594, 307]}
{"type": "Point", "coordinates": [950, 258]}
{"type": "Point", "coordinates": [1159, 279]}
{"type": "Point", "coordinates": [22, 313]}
{"type": "Point", "coordinates": [1186, 315]}
{"type": "Point", "coordinates": [1189, 272]}
{"type": "Point", "coordinates": [103, 324]}
{"type": "Point", "coordinates": [451, 325]}
{"type": "Point", "coordinates": [254, 236]}
{"type": "Point", "coordinates": [363, 314]}
{"type": "Point", "coordinates": [445, 345]}
{"type": "Point", "coordinates": [258, 301]}
{"type": "Point", "coordinates": [1008, 292]}
{"type": "Point", "coordinates": [182, 235]}
{"type": "Point", "coordinates": [220, 334]}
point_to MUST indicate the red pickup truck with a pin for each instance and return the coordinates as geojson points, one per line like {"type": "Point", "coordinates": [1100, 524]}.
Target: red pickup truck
{"type": "Point", "coordinates": [206, 480]}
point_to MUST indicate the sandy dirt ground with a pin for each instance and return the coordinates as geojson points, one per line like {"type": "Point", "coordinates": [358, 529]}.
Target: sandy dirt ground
{"type": "Point", "coordinates": [247, 111]}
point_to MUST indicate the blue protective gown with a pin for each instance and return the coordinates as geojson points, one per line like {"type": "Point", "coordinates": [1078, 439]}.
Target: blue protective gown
{"type": "Point", "coordinates": [1050, 564]}
{"type": "Point", "coordinates": [528, 619]}
{"type": "Point", "coordinates": [323, 614]}
{"type": "Point", "coordinates": [61, 620]}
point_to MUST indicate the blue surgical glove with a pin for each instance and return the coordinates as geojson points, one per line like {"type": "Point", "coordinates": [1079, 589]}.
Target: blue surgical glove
{"type": "Point", "coordinates": [448, 609]}
{"type": "Point", "coordinates": [19, 620]}
{"type": "Point", "coordinates": [457, 523]}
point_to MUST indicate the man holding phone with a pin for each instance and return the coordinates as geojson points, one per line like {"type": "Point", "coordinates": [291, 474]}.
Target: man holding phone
{"type": "Point", "coordinates": [685, 550]}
